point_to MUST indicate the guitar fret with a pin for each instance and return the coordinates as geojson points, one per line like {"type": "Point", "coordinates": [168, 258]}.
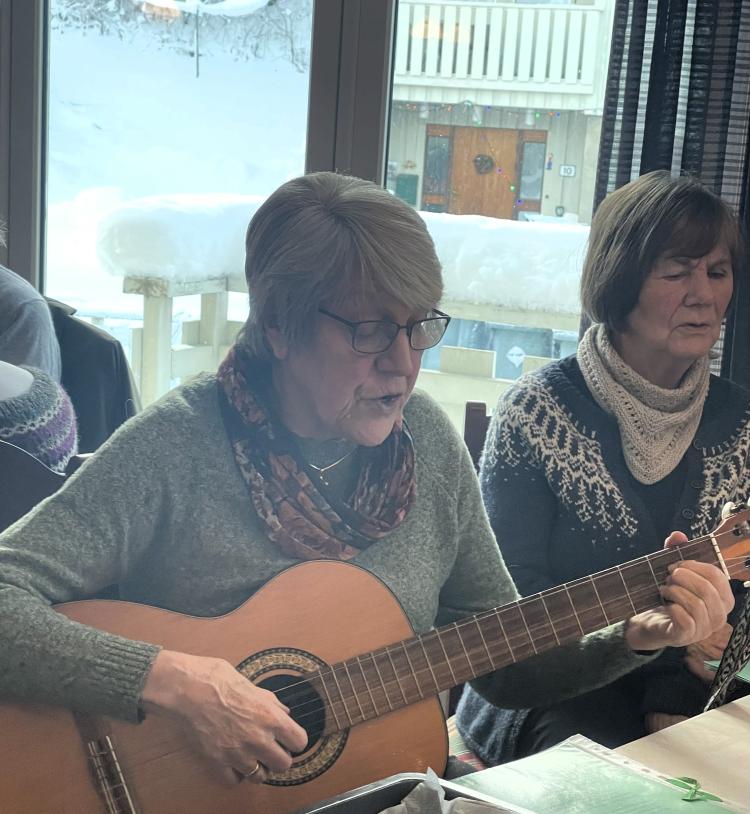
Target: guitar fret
{"type": "Point", "coordinates": [625, 585]}
{"type": "Point", "coordinates": [419, 667]}
{"type": "Point", "coordinates": [413, 673]}
{"type": "Point", "coordinates": [538, 623]}
{"type": "Point", "coordinates": [642, 584]}
{"type": "Point", "coordinates": [591, 614]}
{"type": "Point", "coordinates": [382, 683]}
{"type": "Point", "coordinates": [342, 696]}
{"type": "Point", "coordinates": [484, 644]}
{"type": "Point", "coordinates": [440, 667]}
{"type": "Point", "coordinates": [447, 659]}
{"type": "Point", "coordinates": [505, 635]}
{"type": "Point", "coordinates": [457, 642]}
{"type": "Point", "coordinates": [395, 674]}
{"type": "Point", "coordinates": [429, 665]}
{"type": "Point", "coordinates": [528, 632]}
{"type": "Point", "coordinates": [366, 682]}
{"type": "Point", "coordinates": [656, 581]}
{"type": "Point", "coordinates": [463, 647]}
{"type": "Point", "coordinates": [575, 612]}
{"type": "Point", "coordinates": [599, 599]}
{"type": "Point", "coordinates": [551, 623]}
{"type": "Point", "coordinates": [517, 630]}
{"type": "Point", "coordinates": [391, 680]}
{"type": "Point", "coordinates": [331, 705]}
{"type": "Point", "coordinates": [354, 692]}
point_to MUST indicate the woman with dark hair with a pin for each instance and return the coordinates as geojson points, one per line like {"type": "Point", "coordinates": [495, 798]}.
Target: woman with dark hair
{"type": "Point", "coordinates": [308, 444]}
{"type": "Point", "coordinates": [592, 461]}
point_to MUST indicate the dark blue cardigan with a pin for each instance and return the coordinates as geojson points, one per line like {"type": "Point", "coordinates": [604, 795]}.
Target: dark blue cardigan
{"type": "Point", "coordinates": [563, 504]}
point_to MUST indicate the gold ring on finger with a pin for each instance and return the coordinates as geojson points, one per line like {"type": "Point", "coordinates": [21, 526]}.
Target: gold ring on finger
{"type": "Point", "coordinates": [254, 771]}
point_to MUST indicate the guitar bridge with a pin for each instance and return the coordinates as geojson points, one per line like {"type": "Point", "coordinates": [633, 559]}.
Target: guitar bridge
{"type": "Point", "coordinates": [109, 777]}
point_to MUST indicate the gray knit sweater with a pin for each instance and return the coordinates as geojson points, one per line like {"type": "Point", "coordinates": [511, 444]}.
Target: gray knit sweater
{"type": "Point", "coordinates": [162, 510]}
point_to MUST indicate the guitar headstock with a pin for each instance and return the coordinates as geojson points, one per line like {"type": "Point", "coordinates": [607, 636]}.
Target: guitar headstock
{"type": "Point", "coordinates": [732, 536]}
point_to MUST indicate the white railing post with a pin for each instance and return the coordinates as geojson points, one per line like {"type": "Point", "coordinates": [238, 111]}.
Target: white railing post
{"type": "Point", "coordinates": [550, 53]}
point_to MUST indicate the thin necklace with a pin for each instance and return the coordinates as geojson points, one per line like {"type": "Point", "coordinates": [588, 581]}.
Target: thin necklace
{"type": "Point", "coordinates": [321, 470]}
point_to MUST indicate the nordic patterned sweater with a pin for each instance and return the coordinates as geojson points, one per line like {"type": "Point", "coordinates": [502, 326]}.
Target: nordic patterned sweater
{"type": "Point", "coordinates": [161, 509]}
{"type": "Point", "coordinates": [563, 504]}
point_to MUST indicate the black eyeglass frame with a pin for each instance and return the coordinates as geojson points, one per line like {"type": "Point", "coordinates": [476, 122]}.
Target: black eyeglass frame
{"type": "Point", "coordinates": [409, 327]}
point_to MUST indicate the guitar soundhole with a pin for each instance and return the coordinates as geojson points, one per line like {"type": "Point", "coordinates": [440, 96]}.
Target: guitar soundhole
{"type": "Point", "coordinates": [282, 671]}
{"type": "Point", "coordinates": [304, 703]}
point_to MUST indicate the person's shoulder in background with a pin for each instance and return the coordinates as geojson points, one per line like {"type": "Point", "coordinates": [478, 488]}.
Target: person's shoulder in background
{"type": "Point", "coordinates": [27, 333]}
{"type": "Point", "coordinates": [36, 415]}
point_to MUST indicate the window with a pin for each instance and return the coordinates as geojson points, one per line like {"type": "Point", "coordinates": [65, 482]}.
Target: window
{"type": "Point", "coordinates": [494, 131]}
{"type": "Point", "coordinates": [532, 170]}
{"type": "Point", "coordinates": [168, 120]}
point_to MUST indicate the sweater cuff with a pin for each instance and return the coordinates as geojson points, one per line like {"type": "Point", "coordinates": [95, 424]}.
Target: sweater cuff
{"type": "Point", "coordinates": [115, 676]}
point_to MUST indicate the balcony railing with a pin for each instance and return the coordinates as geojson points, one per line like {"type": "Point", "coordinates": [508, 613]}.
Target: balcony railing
{"type": "Point", "coordinates": [502, 48]}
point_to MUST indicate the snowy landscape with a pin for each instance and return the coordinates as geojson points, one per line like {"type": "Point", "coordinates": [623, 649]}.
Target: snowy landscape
{"type": "Point", "coordinates": [129, 118]}
{"type": "Point", "coordinates": [157, 159]}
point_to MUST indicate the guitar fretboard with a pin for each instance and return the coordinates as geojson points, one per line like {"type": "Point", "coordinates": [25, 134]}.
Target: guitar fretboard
{"type": "Point", "coordinates": [406, 672]}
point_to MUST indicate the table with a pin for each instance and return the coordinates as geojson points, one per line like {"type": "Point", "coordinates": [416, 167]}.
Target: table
{"type": "Point", "coordinates": [713, 747]}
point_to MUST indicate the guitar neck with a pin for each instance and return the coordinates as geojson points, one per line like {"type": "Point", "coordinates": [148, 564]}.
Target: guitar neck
{"type": "Point", "coordinates": [406, 672]}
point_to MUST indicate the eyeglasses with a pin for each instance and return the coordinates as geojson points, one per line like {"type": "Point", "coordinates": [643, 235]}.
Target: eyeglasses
{"type": "Point", "coordinates": [377, 335]}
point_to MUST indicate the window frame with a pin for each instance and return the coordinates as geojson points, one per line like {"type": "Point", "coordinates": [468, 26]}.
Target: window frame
{"type": "Point", "coordinates": [348, 109]}
{"type": "Point", "coordinates": [23, 67]}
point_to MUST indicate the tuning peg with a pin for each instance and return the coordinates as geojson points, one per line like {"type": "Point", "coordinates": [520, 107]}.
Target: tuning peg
{"type": "Point", "coordinates": [728, 509]}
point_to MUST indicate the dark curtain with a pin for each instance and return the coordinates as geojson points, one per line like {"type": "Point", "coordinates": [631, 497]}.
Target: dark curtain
{"type": "Point", "coordinates": [678, 98]}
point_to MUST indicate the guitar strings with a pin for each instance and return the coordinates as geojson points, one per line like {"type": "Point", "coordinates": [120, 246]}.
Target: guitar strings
{"type": "Point", "coordinates": [565, 589]}
{"type": "Point", "coordinates": [522, 637]}
{"type": "Point", "coordinates": [186, 748]}
{"type": "Point", "coordinates": [340, 670]}
{"type": "Point", "coordinates": [397, 682]}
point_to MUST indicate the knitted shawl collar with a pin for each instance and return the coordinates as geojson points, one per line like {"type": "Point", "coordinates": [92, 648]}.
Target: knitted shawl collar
{"type": "Point", "coordinates": [657, 425]}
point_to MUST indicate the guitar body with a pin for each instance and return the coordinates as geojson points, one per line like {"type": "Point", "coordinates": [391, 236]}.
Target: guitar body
{"type": "Point", "coordinates": [315, 612]}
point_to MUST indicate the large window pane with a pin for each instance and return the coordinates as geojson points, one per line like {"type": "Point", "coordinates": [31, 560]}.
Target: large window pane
{"type": "Point", "coordinates": [494, 135]}
{"type": "Point", "coordinates": [162, 116]}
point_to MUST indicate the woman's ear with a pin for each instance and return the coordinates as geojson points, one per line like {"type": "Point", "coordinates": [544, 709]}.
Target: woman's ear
{"type": "Point", "coordinates": [277, 342]}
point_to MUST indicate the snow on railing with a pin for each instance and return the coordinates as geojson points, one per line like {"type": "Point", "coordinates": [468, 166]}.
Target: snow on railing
{"type": "Point", "coordinates": [532, 266]}
{"type": "Point", "coordinates": [167, 247]}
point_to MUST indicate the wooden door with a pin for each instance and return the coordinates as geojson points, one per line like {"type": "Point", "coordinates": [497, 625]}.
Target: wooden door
{"type": "Point", "coordinates": [483, 173]}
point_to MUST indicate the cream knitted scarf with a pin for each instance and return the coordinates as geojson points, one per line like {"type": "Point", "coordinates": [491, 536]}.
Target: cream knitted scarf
{"type": "Point", "coordinates": [657, 425]}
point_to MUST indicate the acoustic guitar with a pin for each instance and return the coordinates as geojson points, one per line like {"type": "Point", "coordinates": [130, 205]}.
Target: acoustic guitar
{"type": "Point", "coordinates": [331, 640]}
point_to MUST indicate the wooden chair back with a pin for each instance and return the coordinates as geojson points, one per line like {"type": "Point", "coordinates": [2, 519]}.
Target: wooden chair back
{"type": "Point", "coordinates": [26, 481]}
{"type": "Point", "coordinates": [476, 422]}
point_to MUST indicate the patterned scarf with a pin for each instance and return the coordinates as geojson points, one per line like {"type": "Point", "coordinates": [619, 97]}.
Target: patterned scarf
{"type": "Point", "coordinates": [657, 425]}
{"type": "Point", "coordinates": [299, 517]}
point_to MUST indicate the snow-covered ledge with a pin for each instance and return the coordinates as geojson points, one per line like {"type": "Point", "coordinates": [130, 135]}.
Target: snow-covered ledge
{"type": "Point", "coordinates": [170, 246]}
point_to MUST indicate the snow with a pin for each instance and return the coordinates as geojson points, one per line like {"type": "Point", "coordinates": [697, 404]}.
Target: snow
{"type": "Point", "coordinates": [153, 171]}
{"type": "Point", "coordinates": [227, 8]}
{"type": "Point", "coordinates": [178, 237]}
{"type": "Point", "coordinates": [531, 266]}
{"type": "Point", "coordinates": [528, 266]}
{"type": "Point", "coordinates": [129, 120]}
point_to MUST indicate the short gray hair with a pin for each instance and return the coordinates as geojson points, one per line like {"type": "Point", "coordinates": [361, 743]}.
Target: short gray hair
{"type": "Point", "coordinates": [325, 238]}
